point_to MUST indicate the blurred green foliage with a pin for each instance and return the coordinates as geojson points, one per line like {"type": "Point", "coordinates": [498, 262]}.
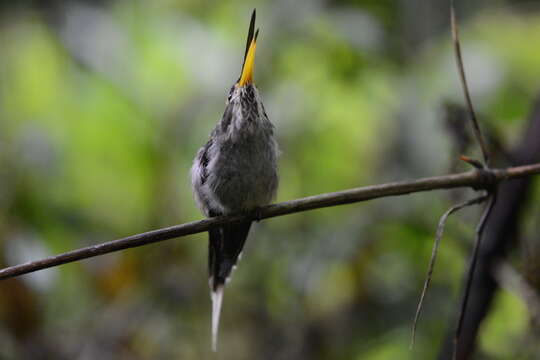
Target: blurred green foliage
{"type": "Point", "coordinates": [103, 106]}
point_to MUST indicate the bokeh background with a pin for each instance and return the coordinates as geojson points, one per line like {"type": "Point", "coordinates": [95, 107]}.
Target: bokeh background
{"type": "Point", "coordinates": [103, 105]}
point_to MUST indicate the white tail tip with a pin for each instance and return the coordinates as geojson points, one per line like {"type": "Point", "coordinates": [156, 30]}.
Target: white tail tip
{"type": "Point", "coordinates": [217, 298]}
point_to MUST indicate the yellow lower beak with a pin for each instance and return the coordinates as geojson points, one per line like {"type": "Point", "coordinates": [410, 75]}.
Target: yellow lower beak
{"type": "Point", "coordinates": [249, 64]}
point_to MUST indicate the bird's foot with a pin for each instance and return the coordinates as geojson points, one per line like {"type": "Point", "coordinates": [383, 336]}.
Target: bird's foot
{"type": "Point", "coordinates": [257, 214]}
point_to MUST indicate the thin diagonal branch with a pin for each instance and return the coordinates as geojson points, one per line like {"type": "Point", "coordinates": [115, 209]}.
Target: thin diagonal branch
{"type": "Point", "coordinates": [459, 60]}
{"type": "Point", "coordinates": [475, 179]}
{"type": "Point", "coordinates": [438, 237]}
{"type": "Point", "coordinates": [470, 274]}
{"type": "Point", "coordinates": [492, 191]}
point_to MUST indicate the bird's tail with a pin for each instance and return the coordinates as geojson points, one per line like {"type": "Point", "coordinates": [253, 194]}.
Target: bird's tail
{"type": "Point", "coordinates": [224, 249]}
{"type": "Point", "coordinates": [217, 299]}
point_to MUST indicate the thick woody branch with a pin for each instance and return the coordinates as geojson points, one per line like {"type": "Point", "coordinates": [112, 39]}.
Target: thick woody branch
{"type": "Point", "coordinates": [502, 236]}
{"type": "Point", "coordinates": [475, 179]}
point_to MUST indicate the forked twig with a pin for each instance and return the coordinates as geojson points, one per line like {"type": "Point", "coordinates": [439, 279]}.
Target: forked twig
{"type": "Point", "coordinates": [470, 273]}
{"type": "Point", "coordinates": [491, 189]}
{"type": "Point", "coordinates": [459, 60]}
{"type": "Point", "coordinates": [438, 237]}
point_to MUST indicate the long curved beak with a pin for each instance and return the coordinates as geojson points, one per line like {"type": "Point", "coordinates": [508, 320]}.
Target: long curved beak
{"type": "Point", "coordinates": [246, 77]}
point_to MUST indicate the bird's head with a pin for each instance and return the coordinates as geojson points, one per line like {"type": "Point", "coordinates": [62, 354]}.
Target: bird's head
{"type": "Point", "coordinates": [245, 81]}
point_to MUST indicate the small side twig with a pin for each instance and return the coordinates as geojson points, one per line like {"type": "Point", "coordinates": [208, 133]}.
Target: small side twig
{"type": "Point", "coordinates": [470, 273]}
{"type": "Point", "coordinates": [438, 237]}
{"type": "Point", "coordinates": [475, 163]}
{"type": "Point", "coordinates": [461, 69]}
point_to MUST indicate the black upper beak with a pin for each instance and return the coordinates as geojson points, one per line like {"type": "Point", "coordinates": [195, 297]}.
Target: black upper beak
{"type": "Point", "coordinates": [251, 35]}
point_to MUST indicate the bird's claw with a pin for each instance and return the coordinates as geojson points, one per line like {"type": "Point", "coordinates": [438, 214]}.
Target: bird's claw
{"type": "Point", "coordinates": [257, 214]}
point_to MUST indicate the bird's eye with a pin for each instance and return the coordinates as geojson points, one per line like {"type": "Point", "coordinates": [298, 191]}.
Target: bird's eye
{"type": "Point", "coordinates": [230, 94]}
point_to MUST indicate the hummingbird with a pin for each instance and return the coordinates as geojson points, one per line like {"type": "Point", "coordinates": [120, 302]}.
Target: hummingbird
{"type": "Point", "coordinates": [235, 172]}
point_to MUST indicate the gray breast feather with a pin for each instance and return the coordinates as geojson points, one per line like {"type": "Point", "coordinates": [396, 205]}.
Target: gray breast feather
{"type": "Point", "coordinates": [236, 170]}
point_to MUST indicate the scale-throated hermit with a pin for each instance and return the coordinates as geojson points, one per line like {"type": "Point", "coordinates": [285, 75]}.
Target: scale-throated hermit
{"type": "Point", "coordinates": [235, 172]}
